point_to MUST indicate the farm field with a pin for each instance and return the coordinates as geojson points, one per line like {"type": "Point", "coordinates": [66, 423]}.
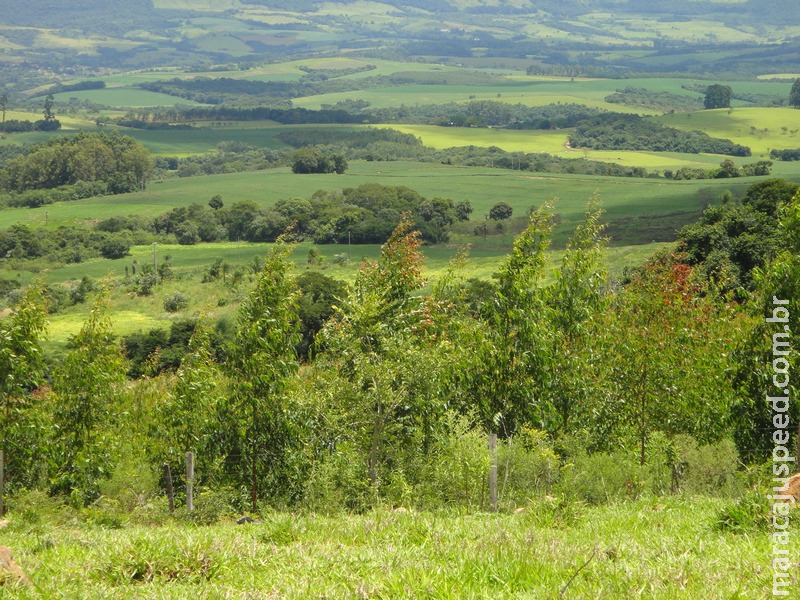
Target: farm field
{"type": "Point", "coordinates": [654, 547]}
{"type": "Point", "coordinates": [762, 129]}
{"type": "Point", "coordinates": [622, 198]}
{"type": "Point", "coordinates": [555, 143]}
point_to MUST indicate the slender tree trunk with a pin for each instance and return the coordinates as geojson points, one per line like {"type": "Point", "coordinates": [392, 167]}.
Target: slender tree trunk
{"type": "Point", "coordinates": [253, 466]}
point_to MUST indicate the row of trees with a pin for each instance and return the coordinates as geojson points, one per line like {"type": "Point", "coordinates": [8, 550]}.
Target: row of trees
{"type": "Point", "coordinates": [361, 215]}
{"type": "Point", "coordinates": [575, 358]}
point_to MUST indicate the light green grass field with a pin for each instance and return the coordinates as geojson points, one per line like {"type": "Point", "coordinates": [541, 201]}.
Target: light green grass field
{"type": "Point", "coordinates": [663, 548]}
{"type": "Point", "coordinates": [761, 129]}
{"type": "Point", "coordinates": [483, 187]}
{"type": "Point", "coordinates": [552, 142]}
{"type": "Point", "coordinates": [124, 97]}
{"type": "Point", "coordinates": [132, 313]}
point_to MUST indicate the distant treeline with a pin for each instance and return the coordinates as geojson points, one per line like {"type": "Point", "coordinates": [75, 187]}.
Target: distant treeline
{"type": "Point", "coordinates": [145, 119]}
{"type": "Point", "coordinates": [644, 98]}
{"type": "Point", "coordinates": [755, 99]}
{"type": "Point", "coordinates": [75, 87]}
{"type": "Point", "coordinates": [15, 126]}
{"type": "Point", "coordinates": [788, 154]}
{"type": "Point", "coordinates": [478, 113]}
{"type": "Point", "coordinates": [616, 131]}
{"type": "Point", "coordinates": [243, 92]}
{"type": "Point", "coordinates": [363, 215]}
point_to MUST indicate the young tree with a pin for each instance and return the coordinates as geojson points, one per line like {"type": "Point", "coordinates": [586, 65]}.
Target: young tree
{"type": "Point", "coordinates": [21, 370]}
{"type": "Point", "coordinates": [189, 417]}
{"type": "Point", "coordinates": [794, 95]}
{"type": "Point", "coordinates": [512, 360]}
{"type": "Point", "coordinates": [501, 211]}
{"type": "Point", "coordinates": [262, 357]}
{"type": "Point", "coordinates": [385, 367]}
{"type": "Point", "coordinates": [4, 104]}
{"type": "Point", "coordinates": [85, 385]}
{"type": "Point", "coordinates": [661, 359]}
{"type": "Point", "coordinates": [575, 300]}
{"type": "Point", "coordinates": [718, 96]}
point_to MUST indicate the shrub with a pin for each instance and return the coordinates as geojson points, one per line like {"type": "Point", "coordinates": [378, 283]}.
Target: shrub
{"type": "Point", "coordinates": [750, 513]}
{"type": "Point", "coordinates": [176, 302]}
{"type": "Point", "coordinates": [458, 468]}
{"type": "Point", "coordinates": [341, 259]}
{"type": "Point", "coordinates": [602, 477]}
{"type": "Point", "coordinates": [527, 467]}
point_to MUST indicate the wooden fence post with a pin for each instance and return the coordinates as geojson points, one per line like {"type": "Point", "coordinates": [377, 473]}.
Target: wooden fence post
{"type": "Point", "coordinates": [493, 472]}
{"type": "Point", "coordinates": [170, 491]}
{"type": "Point", "coordinates": [190, 481]}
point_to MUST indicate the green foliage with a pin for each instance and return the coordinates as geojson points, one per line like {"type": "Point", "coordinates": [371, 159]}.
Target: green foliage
{"type": "Point", "coordinates": [216, 202]}
{"type": "Point", "coordinates": [661, 330]}
{"type": "Point", "coordinates": [310, 160]}
{"type": "Point", "coordinates": [576, 298]}
{"type": "Point", "coordinates": [753, 372]}
{"type": "Point", "coordinates": [718, 96]}
{"type": "Point", "coordinates": [794, 94]}
{"type": "Point", "coordinates": [175, 302]}
{"type": "Point", "coordinates": [23, 425]}
{"type": "Point", "coordinates": [120, 162]}
{"type": "Point", "coordinates": [261, 358]}
{"type": "Point", "coordinates": [730, 241]}
{"type": "Point", "coordinates": [85, 385]}
{"type": "Point", "coordinates": [512, 358]}
{"type": "Point", "coordinates": [315, 305]}
{"type": "Point", "coordinates": [614, 131]}
{"type": "Point", "coordinates": [501, 211]}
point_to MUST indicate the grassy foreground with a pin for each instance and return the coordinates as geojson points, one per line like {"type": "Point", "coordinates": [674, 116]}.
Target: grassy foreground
{"type": "Point", "coordinates": [650, 548]}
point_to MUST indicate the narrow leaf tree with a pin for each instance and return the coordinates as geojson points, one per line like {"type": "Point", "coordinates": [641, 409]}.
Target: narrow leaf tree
{"type": "Point", "coordinates": [85, 385]}
{"type": "Point", "coordinates": [21, 370]}
{"type": "Point", "coordinates": [262, 357]}
{"type": "Point", "coordinates": [512, 360]}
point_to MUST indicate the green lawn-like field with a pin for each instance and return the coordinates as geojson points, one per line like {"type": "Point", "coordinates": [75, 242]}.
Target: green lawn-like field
{"type": "Point", "coordinates": [124, 97]}
{"type": "Point", "coordinates": [623, 198]}
{"type": "Point", "coordinates": [762, 129]}
{"type": "Point", "coordinates": [657, 548]}
{"type": "Point", "coordinates": [555, 143]}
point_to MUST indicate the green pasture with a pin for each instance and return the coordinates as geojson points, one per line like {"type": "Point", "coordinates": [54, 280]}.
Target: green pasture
{"type": "Point", "coordinates": [761, 129]}
{"type": "Point", "coordinates": [555, 143]}
{"type": "Point", "coordinates": [670, 203]}
{"type": "Point", "coordinates": [124, 97]}
{"type": "Point", "coordinates": [524, 89]}
{"type": "Point", "coordinates": [201, 140]}
{"type": "Point", "coordinates": [657, 548]}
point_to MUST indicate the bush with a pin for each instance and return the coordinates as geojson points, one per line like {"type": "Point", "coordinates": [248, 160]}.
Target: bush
{"type": "Point", "coordinates": [752, 512]}
{"type": "Point", "coordinates": [709, 469]}
{"type": "Point", "coordinates": [527, 467]}
{"type": "Point", "coordinates": [114, 247]}
{"type": "Point", "coordinates": [603, 477]}
{"type": "Point", "coordinates": [176, 302]}
{"type": "Point", "coordinates": [459, 465]}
